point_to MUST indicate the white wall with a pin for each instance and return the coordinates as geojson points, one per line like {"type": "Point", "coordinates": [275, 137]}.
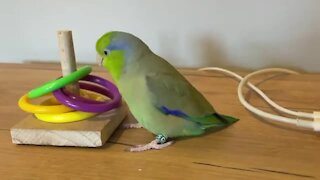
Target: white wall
{"type": "Point", "coordinates": [238, 33]}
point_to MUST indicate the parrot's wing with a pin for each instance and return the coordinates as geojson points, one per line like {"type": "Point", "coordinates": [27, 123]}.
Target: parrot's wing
{"type": "Point", "coordinates": [173, 94]}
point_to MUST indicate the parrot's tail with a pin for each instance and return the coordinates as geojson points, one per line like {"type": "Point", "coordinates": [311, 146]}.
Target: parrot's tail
{"type": "Point", "coordinates": [225, 119]}
{"type": "Point", "coordinates": [216, 120]}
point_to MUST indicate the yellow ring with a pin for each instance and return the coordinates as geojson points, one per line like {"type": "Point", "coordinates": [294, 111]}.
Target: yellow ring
{"type": "Point", "coordinates": [93, 95]}
{"type": "Point", "coordinates": [26, 106]}
{"type": "Point", "coordinates": [51, 105]}
{"type": "Point", "coordinates": [65, 117]}
{"type": "Point", "coordinates": [70, 116]}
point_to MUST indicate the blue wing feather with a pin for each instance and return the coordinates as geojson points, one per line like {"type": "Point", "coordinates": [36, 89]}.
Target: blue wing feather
{"type": "Point", "coordinates": [174, 112]}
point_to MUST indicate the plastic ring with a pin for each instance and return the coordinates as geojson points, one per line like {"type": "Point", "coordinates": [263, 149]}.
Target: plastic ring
{"type": "Point", "coordinates": [59, 83]}
{"type": "Point", "coordinates": [75, 115]}
{"type": "Point", "coordinates": [64, 117]}
{"type": "Point", "coordinates": [87, 99]}
{"type": "Point", "coordinates": [26, 106]}
{"type": "Point", "coordinates": [52, 105]}
{"type": "Point", "coordinates": [92, 107]}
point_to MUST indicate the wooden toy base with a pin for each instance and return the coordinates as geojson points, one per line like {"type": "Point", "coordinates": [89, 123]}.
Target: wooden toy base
{"type": "Point", "coordinates": [93, 132]}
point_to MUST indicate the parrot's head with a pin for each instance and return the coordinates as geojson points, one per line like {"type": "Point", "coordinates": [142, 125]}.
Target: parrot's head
{"type": "Point", "coordinates": [118, 50]}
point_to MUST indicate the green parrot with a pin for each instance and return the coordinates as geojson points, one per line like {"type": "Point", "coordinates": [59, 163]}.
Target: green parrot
{"type": "Point", "coordinates": [158, 96]}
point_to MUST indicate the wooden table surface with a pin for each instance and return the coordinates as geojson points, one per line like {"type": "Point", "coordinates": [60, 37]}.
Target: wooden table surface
{"type": "Point", "coordinates": [250, 149]}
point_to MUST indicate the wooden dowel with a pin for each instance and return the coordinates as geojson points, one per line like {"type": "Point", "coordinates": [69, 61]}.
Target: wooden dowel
{"type": "Point", "coordinates": [67, 57]}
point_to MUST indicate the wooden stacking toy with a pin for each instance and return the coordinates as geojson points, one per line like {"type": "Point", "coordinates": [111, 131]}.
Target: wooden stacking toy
{"type": "Point", "coordinates": [81, 109]}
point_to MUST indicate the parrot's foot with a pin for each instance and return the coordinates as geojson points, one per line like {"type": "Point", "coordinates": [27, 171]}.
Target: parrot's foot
{"type": "Point", "coordinates": [132, 125]}
{"type": "Point", "coordinates": [152, 145]}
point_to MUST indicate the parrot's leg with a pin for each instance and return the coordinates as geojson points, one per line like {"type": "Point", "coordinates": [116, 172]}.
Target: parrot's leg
{"type": "Point", "coordinates": [152, 145]}
{"type": "Point", "coordinates": [159, 143]}
{"type": "Point", "coordinates": [132, 125]}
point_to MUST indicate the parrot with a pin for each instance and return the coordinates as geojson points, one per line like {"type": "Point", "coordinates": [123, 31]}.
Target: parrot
{"type": "Point", "coordinates": [161, 99]}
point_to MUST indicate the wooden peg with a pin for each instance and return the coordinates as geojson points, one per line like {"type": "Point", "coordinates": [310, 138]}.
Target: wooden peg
{"type": "Point", "coordinates": [67, 57]}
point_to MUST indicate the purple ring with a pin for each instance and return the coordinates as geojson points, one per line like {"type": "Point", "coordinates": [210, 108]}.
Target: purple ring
{"type": "Point", "coordinates": [89, 87]}
{"type": "Point", "coordinates": [85, 105]}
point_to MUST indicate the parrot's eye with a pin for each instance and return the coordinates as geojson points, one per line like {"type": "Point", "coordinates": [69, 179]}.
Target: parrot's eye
{"type": "Point", "coordinates": [106, 52]}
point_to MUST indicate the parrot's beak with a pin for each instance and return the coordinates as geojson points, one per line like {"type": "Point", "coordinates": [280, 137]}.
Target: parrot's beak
{"type": "Point", "coordinates": [99, 60]}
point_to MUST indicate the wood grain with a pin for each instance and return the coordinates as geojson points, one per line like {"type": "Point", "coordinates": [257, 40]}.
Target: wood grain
{"type": "Point", "coordinates": [93, 132]}
{"type": "Point", "coordinates": [250, 149]}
